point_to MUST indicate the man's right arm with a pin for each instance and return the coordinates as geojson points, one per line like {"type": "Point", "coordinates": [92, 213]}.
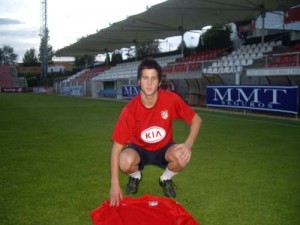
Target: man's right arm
{"type": "Point", "coordinates": [115, 188]}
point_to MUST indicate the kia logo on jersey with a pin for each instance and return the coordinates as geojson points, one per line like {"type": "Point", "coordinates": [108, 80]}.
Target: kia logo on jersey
{"type": "Point", "coordinates": [153, 134]}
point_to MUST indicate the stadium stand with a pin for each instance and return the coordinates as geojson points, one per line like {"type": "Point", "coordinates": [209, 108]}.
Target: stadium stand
{"type": "Point", "coordinates": [93, 79]}
{"type": "Point", "coordinates": [91, 73]}
{"type": "Point", "coordinates": [122, 70]}
{"type": "Point", "coordinates": [240, 58]}
{"type": "Point", "coordinates": [212, 66]}
{"type": "Point", "coordinates": [9, 77]}
{"type": "Point", "coordinates": [5, 76]}
{"type": "Point", "coordinates": [290, 58]}
{"type": "Point", "coordinates": [129, 69]}
{"type": "Point", "coordinates": [74, 76]}
{"type": "Point", "coordinates": [255, 57]}
{"type": "Point", "coordinates": [86, 74]}
{"type": "Point", "coordinates": [192, 62]}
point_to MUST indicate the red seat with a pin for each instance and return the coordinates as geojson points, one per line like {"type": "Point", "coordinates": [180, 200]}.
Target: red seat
{"type": "Point", "coordinates": [284, 59]}
{"type": "Point", "coordinates": [297, 46]}
{"type": "Point", "coordinates": [291, 64]}
{"type": "Point", "coordinates": [273, 65]}
{"type": "Point", "coordinates": [276, 59]}
{"type": "Point", "coordinates": [293, 58]}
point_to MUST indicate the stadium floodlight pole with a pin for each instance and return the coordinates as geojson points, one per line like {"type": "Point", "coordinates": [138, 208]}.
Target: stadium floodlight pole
{"type": "Point", "coordinates": [44, 40]}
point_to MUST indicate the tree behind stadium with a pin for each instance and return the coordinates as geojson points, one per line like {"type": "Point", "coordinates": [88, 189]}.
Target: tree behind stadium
{"type": "Point", "coordinates": [7, 55]}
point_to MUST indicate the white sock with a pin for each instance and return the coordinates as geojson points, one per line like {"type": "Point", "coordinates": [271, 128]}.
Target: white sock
{"type": "Point", "coordinates": [167, 174]}
{"type": "Point", "coordinates": [137, 174]}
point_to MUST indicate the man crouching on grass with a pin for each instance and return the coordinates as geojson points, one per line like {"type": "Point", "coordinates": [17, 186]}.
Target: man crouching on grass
{"type": "Point", "coordinates": [143, 134]}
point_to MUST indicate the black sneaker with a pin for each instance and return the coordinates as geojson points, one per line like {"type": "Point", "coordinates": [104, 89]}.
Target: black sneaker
{"type": "Point", "coordinates": [168, 188]}
{"type": "Point", "coordinates": [132, 185]}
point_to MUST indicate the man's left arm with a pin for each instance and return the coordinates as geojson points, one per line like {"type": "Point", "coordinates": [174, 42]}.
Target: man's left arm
{"type": "Point", "coordinates": [186, 147]}
{"type": "Point", "coordinates": [194, 130]}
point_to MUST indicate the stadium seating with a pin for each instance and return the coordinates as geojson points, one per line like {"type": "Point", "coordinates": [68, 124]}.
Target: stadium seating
{"type": "Point", "coordinates": [86, 74]}
{"type": "Point", "coordinates": [5, 76]}
{"type": "Point", "coordinates": [129, 69]}
{"type": "Point", "coordinates": [122, 70]}
{"type": "Point", "coordinates": [73, 77]}
{"type": "Point", "coordinates": [296, 47]}
{"type": "Point", "coordinates": [241, 57]}
{"type": "Point", "coordinates": [247, 57]}
{"type": "Point", "coordinates": [91, 73]}
{"type": "Point", "coordinates": [290, 58]}
{"type": "Point", "coordinates": [192, 62]}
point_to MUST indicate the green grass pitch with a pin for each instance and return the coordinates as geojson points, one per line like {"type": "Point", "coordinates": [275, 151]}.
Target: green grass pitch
{"type": "Point", "coordinates": [55, 156]}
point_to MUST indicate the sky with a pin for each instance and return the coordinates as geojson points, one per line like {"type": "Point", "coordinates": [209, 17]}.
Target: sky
{"type": "Point", "coordinates": [68, 20]}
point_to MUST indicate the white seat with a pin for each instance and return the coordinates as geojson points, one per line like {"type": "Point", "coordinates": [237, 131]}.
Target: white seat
{"type": "Point", "coordinates": [238, 69]}
{"type": "Point", "coordinates": [263, 49]}
{"type": "Point", "coordinates": [226, 69]}
{"type": "Point", "coordinates": [225, 63]}
{"type": "Point", "coordinates": [215, 70]}
{"type": "Point", "coordinates": [237, 62]}
{"type": "Point", "coordinates": [266, 44]}
{"type": "Point", "coordinates": [215, 64]}
{"type": "Point", "coordinates": [243, 62]}
{"type": "Point", "coordinates": [249, 62]}
{"type": "Point", "coordinates": [269, 49]}
{"type": "Point", "coordinates": [253, 56]}
{"type": "Point", "coordinates": [250, 51]}
{"type": "Point", "coordinates": [259, 55]}
{"type": "Point", "coordinates": [246, 56]}
{"type": "Point", "coordinates": [278, 43]}
{"type": "Point", "coordinates": [272, 43]}
{"type": "Point", "coordinates": [256, 50]}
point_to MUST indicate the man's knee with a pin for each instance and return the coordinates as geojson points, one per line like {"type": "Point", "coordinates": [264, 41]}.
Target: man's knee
{"type": "Point", "coordinates": [180, 164]}
{"type": "Point", "coordinates": [129, 160]}
{"type": "Point", "coordinates": [174, 157]}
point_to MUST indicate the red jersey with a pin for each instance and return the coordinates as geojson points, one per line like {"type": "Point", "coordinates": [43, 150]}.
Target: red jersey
{"type": "Point", "coordinates": [145, 210]}
{"type": "Point", "coordinates": [151, 128]}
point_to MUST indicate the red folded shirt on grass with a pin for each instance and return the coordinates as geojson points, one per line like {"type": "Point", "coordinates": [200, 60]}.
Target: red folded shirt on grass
{"type": "Point", "coordinates": [144, 210]}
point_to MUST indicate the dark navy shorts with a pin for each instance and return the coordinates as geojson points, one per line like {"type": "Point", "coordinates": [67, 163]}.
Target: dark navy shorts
{"type": "Point", "coordinates": [151, 158]}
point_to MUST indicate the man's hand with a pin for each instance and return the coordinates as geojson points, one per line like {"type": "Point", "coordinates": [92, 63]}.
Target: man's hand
{"type": "Point", "coordinates": [184, 152]}
{"type": "Point", "coordinates": [115, 195]}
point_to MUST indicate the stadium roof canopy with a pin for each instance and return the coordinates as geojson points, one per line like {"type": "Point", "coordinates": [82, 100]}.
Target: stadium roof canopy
{"type": "Point", "coordinates": [172, 18]}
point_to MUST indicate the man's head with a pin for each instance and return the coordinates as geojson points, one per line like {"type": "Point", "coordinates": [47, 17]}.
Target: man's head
{"type": "Point", "coordinates": [149, 77]}
{"type": "Point", "coordinates": [149, 64]}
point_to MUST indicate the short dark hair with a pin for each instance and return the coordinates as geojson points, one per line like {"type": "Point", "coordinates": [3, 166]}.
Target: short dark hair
{"type": "Point", "coordinates": [149, 63]}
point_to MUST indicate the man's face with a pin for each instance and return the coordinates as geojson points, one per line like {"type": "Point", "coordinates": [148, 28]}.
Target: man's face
{"type": "Point", "coordinates": [149, 82]}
